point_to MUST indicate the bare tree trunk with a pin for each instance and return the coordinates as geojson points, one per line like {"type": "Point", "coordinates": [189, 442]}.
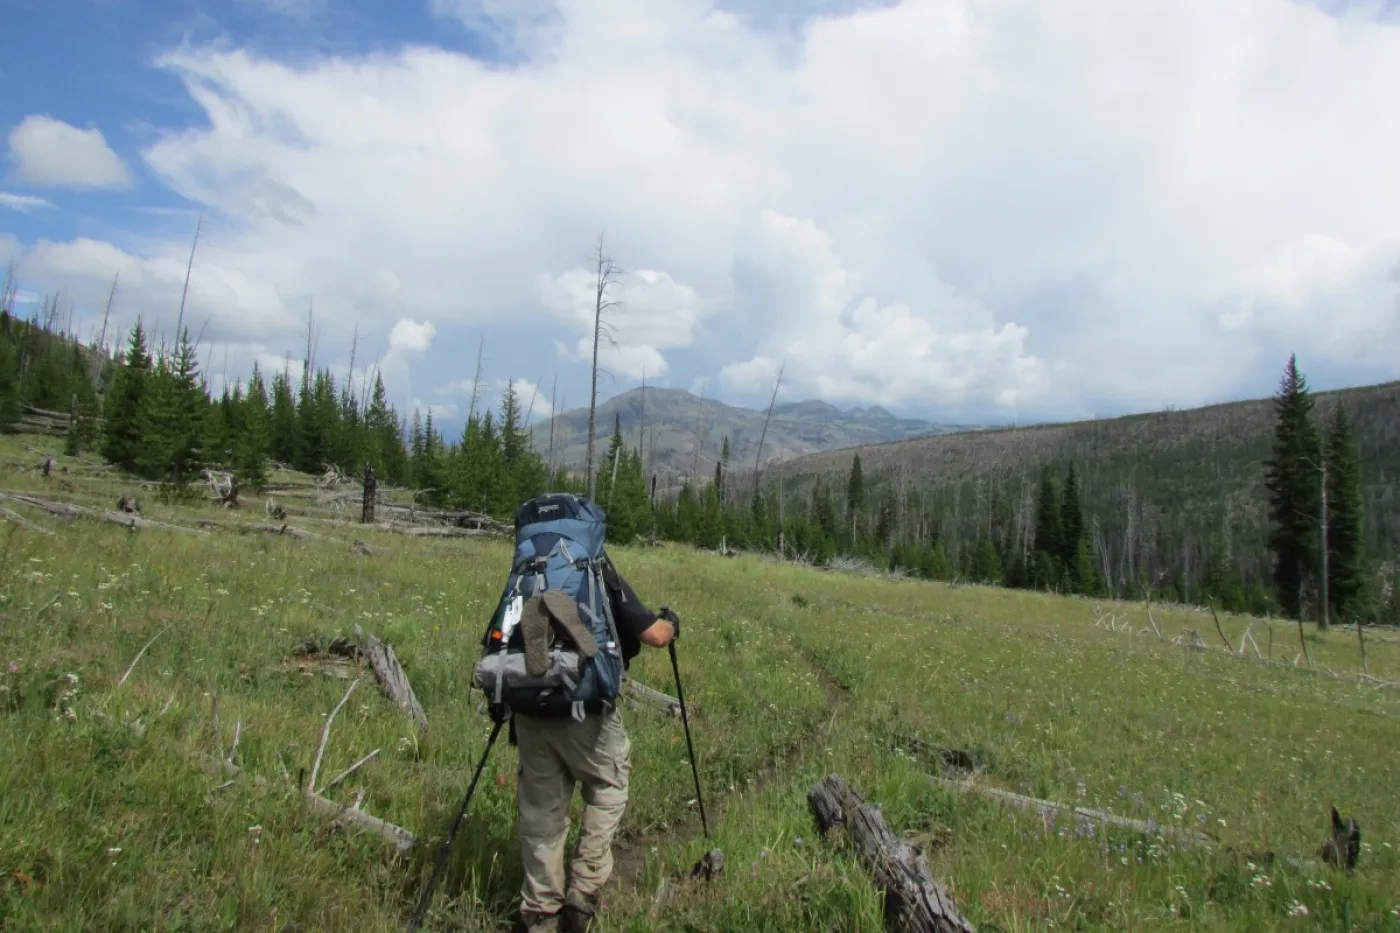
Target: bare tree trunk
{"type": "Point", "coordinates": [606, 273]}
{"type": "Point", "coordinates": [757, 457]}
{"type": "Point", "coordinates": [180, 320]}
{"type": "Point", "coordinates": [1323, 620]}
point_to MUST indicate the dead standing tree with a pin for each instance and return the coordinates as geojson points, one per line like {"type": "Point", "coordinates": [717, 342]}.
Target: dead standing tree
{"type": "Point", "coordinates": [606, 274]}
{"type": "Point", "coordinates": [758, 455]}
{"type": "Point", "coordinates": [369, 497]}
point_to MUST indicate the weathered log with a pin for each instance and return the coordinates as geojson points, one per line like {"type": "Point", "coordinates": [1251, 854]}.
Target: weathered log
{"type": "Point", "coordinates": [68, 509]}
{"type": "Point", "coordinates": [391, 676]}
{"type": "Point", "coordinates": [23, 522]}
{"type": "Point", "coordinates": [1049, 808]}
{"type": "Point", "coordinates": [400, 838]}
{"type": "Point", "coordinates": [443, 531]}
{"type": "Point", "coordinates": [914, 901]}
{"type": "Point", "coordinates": [669, 704]}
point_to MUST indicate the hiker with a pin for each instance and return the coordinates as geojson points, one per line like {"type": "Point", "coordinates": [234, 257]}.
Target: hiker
{"type": "Point", "coordinates": [553, 661]}
{"type": "Point", "coordinates": [554, 753]}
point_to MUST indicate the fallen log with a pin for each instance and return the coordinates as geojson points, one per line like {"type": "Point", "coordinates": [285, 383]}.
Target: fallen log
{"type": "Point", "coordinates": [23, 522]}
{"type": "Point", "coordinates": [914, 901]}
{"type": "Point", "coordinates": [69, 509]}
{"type": "Point", "coordinates": [400, 838]}
{"type": "Point", "coordinates": [443, 531]}
{"type": "Point", "coordinates": [669, 704]}
{"type": "Point", "coordinates": [1049, 808]}
{"type": "Point", "coordinates": [391, 676]}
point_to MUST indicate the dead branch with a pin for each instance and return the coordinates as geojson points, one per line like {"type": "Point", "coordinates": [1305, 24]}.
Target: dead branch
{"type": "Point", "coordinates": [326, 734]}
{"type": "Point", "coordinates": [132, 666]}
{"type": "Point", "coordinates": [1228, 647]}
{"type": "Point", "coordinates": [400, 838]}
{"type": "Point", "coordinates": [349, 771]}
{"type": "Point", "coordinates": [914, 901]}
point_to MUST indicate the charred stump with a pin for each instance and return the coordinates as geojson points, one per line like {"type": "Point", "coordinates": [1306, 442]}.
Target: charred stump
{"type": "Point", "coordinates": [914, 901]}
{"type": "Point", "coordinates": [369, 497]}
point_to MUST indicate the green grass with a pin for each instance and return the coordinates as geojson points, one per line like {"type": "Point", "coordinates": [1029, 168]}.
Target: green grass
{"type": "Point", "coordinates": [108, 821]}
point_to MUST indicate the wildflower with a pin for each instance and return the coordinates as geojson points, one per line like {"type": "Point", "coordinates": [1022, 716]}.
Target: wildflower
{"type": "Point", "coordinates": [1298, 909]}
{"type": "Point", "coordinates": [114, 850]}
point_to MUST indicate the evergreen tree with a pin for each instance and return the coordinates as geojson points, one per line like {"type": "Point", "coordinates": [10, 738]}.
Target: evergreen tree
{"type": "Point", "coordinates": [10, 407]}
{"type": "Point", "coordinates": [609, 465]}
{"type": "Point", "coordinates": [173, 419]}
{"type": "Point", "coordinates": [253, 440]}
{"type": "Point", "coordinates": [1295, 495]}
{"type": "Point", "coordinates": [1345, 568]}
{"type": "Point", "coordinates": [284, 419]}
{"type": "Point", "coordinates": [1222, 582]}
{"type": "Point", "coordinates": [1045, 570]}
{"type": "Point", "coordinates": [985, 565]}
{"type": "Point", "coordinates": [687, 515]}
{"type": "Point", "coordinates": [123, 443]}
{"type": "Point", "coordinates": [1072, 536]}
{"type": "Point", "coordinates": [855, 499]}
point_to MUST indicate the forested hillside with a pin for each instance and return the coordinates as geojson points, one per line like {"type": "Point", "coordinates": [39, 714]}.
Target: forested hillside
{"type": "Point", "coordinates": [1177, 497]}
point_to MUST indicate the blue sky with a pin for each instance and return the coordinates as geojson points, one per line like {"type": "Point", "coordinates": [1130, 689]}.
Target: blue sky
{"type": "Point", "coordinates": [961, 211]}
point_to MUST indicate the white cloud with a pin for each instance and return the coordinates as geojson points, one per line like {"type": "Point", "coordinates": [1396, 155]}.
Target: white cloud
{"type": "Point", "coordinates": [52, 153]}
{"type": "Point", "coordinates": [410, 336]}
{"type": "Point", "coordinates": [23, 203]}
{"type": "Point", "coordinates": [967, 207]}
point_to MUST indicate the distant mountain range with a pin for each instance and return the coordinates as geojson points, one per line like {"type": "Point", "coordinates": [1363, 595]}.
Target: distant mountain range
{"type": "Point", "coordinates": [685, 431]}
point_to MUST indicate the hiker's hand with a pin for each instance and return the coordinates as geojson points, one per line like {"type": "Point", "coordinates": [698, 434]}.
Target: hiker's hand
{"type": "Point", "coordinates": [669, 615]}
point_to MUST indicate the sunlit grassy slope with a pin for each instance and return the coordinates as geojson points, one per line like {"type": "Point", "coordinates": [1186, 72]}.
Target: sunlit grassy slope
{"type": "Point", "coordinates": [108, 822]}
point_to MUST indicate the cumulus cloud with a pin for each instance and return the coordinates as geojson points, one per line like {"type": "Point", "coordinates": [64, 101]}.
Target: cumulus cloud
{"type": "Point", "coordinates": [410, 336]}
{"type": "Point", "coordinates": [23, 203]}
{"type": "Point", "coordinates": [50, 153]}
{"type": "Point", "coordinates": [1026, 208]}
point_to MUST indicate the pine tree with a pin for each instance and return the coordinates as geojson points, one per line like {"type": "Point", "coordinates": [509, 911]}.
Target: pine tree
{"type": "Point", "coordinates": [284, 419]}
{"type": "Point", "coordinates": [1072, 536]}
{"type": "Point", "coordinates": [10, 408]}
{"type": "Point", "coordinates": [1295, 495]}
{"type": "Point", "coordinates": [1045, 569]}
{"type": "Point", "coordinates": [1345, 568]}
{"type": "Point", "coordinates": [253, 440]}
{"type": "Point", "coordinates": [123, 442]}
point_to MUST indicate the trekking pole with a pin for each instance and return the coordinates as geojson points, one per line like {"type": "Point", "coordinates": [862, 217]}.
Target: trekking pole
{"type": "Point", "coordinates": [447, 845]}
{"type": "Point", "coordinates": [685, 720]}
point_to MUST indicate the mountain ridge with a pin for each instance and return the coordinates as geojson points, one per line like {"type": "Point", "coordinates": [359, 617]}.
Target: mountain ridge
{"type": "Point", "coordinates": [675, 419]}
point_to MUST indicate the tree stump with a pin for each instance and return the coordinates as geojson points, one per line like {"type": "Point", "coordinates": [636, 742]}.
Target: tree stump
{"type": "Point", "coordinates": [369, 496]}
{"type": "Point", "coordinates": [914, 901]}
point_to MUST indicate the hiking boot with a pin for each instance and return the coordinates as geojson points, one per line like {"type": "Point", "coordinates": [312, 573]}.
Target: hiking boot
{"type": "Point", "coordinates": [578, 912]}
{"type": "Point", "coordinates": [536, 923]}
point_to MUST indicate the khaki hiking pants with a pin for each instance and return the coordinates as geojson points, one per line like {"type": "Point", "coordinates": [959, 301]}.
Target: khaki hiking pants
{"type": "Point", "coordinates": [554, 754]}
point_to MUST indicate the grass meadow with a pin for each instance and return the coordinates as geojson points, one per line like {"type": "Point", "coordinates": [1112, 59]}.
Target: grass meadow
{"type": "Point", "coordinates": [111, 820]}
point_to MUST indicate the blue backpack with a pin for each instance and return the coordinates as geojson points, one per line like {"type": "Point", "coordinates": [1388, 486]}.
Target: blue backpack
{"type": "Point", "coordinates": [552, 647]}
